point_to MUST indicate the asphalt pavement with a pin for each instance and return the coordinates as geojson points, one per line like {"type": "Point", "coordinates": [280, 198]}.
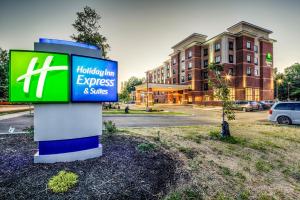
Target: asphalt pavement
{"type": "Point", "coordinates": [19, 123]}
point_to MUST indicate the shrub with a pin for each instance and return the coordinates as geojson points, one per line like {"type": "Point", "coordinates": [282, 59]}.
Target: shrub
{"type": "Point", "coordinates": [157, 138]}
{"type": "Point", "coordinates": [263, 166]}
{"type": "Point", "coordinates": [222, 196]}
{"type": "Point", "coordinates": [185, 194]}
{"type": "Point", "coordinates": [189, 152]}
{"type": "Point", "coordinates": [265, 196]}
{"type": "Point", "coordinates": [63, 181]}
{"type": "Point", "coordinates": [145, 147]}
{"type": "Point", "coordinates": [244, 195]}
{"type": "Point", "coordinates": [214, 134]}
{"type": "Point", "coordinates": [110, 128]}
{"type": "Point", "coordinates": [29, 130]}
{"type": "Point", "coordinates": [225, 170]}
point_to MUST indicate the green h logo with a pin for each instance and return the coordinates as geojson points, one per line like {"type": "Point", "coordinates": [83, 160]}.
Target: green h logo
{"type": "Point", "coordinates": [38, 77]}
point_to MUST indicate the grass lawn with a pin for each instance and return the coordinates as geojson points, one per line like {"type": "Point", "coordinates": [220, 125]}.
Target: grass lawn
{"type": "Point", "coordinates": [260, 161]}
{"type": "Point", "coordinates": [135, 112]}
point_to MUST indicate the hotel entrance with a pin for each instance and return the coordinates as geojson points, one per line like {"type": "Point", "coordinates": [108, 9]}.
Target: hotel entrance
{"type": "Point", "coordinates": [152, 93]}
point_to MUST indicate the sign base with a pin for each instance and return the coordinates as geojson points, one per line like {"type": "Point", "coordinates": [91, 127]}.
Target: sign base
{"type": "Point", "coordinates": [69, 157]}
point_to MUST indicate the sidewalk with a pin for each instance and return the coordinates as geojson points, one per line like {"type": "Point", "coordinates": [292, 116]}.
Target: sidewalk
{"type": "Point", "coordinates": [13, 115]}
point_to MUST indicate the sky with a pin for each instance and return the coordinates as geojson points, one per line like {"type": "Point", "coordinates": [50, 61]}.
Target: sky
{"type": "Point", "coordinates": [141, 33]}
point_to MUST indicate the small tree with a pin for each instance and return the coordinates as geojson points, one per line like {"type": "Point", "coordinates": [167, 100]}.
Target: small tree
{"type": "Point", "coordinates": [219, 83]}
{"type": "Point", "coordinates": [87, 25]}
{"type": "Point", "coordinates": [129, 86]}
{"type": "Point", "coordinates": [3, 74]}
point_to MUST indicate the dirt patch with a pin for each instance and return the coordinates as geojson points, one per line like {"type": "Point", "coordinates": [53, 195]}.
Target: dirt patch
{"type": "Point", "coordinates": [121, 173]}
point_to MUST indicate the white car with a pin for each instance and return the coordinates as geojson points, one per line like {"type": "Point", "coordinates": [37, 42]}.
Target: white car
{"type": "Point", "coordinates": [285, 113]}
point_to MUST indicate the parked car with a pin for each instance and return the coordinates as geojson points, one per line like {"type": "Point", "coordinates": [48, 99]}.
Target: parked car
{"type": "Point", "coordinates": [246, 105]}
{"type": "Point", "coordinates": [263, 105]}
{"type": "Point", "coordinates": [285, 113]}
{"type": "Point", "coordinates": [270, 103]}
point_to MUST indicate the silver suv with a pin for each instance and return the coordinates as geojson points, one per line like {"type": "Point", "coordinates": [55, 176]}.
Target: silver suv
{"type": "Point", "coordinates": [285, 113]}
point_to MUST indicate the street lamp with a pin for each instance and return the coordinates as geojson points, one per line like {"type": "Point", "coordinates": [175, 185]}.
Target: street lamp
{"type": "Point", "coordinates": [279, 81]}
{"type": "Point", "coordinates": [227, 77]}
{"type": "Point", "coordinates": [288, 91]}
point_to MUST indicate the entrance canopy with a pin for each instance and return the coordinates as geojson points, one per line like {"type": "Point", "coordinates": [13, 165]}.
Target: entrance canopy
{"type": "Point", "coordinates": [162, 87]}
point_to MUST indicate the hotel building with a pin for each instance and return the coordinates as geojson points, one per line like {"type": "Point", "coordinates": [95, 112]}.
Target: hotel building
{"type": "Point", "coordinates": [246, 52]}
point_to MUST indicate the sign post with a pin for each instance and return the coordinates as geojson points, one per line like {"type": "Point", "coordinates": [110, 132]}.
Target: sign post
{"type": "Point", "coordinates": [67, 88]}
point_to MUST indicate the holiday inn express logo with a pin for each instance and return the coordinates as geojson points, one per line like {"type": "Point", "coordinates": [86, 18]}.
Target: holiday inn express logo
{"type": "Point", "coordinates": [38, 77]}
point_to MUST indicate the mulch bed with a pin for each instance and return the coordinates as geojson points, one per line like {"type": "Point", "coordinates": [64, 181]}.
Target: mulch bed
{"type": "Point", "coordinates": [121, 173]}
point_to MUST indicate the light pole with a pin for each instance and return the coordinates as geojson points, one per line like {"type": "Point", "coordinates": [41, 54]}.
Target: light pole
{"type": "Point", "coordinates": [288, 90]}
{"type": "Point", "coordinates": [279, 81]}
{"type": "Point", "coordinates": [147, 83]}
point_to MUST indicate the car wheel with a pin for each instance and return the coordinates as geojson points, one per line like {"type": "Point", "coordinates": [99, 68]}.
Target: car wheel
{"type": "Point", "coordinates": [284, 120]}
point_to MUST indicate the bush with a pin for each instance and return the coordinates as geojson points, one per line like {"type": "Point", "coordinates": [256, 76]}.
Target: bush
{"type": "Point", "coordinates": [215, 134]}
{"type": "Point", "coordinates": [263, 166]}
{"type": "Point", "coordinates": [188, 152]}
{"type": "Point", "coordinates": [110, 128]}
{"type": "Point", "coordinates": [63, 181]}
{"type": "Point", "coordinates": [185, 194]}
{"type": "Point", "coordinates": [29, 130]}
{"type": "Point", "coordinates": [145, 147]}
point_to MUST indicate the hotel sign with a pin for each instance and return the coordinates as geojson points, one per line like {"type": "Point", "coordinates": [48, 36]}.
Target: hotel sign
{"type": "Point", "coordinates": [269, 59]}
{"type": "Point", "coordinates": [42, 77]}
{"type": "Point", "coordinates": [94, 80]}
{"type": "Point", "coordinates": [38, 77]}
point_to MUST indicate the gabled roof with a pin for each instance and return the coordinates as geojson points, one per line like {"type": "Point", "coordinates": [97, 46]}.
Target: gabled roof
{"type": "Point", "coordinates": [241, 23]}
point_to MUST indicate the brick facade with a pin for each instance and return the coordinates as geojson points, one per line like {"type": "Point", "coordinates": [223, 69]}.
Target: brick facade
{"type": "Point", "coordinates": [242, 53]}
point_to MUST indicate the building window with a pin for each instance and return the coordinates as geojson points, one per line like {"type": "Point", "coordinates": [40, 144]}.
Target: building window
{"type": "Point", "coordinates": [189, 77]}
{"type": "Point", "coordinates": [248, 58]}
{"type": "Point", "coordinates": [256, 61]}
{"type": "Point", "coordinates": [174, 61]}
{"type": "Point", "coordinates": [190, 54]}
{"type": "Point", "coordinates": [256, 94]}
{"type": "Point", "coordinates": [182, 59]}
{"type": "Point", "coordinates": [174, 80]}
{"type": "Point", "coordinates": [205, 63]}
{"type": "Point", "coordinates": [217, 59]}
{"type": "Point", "coordinates": [205, 75]}
{"type": "Point", "coordinates": [174, 71]}
{"type": "Point", "coordinates": [249, 71]}
{"type": "Point", "coordinates": [230, 45]}
{"type": "Point", "coordinates": [206, 98]}
{"type": "Point", "coordinates": [256, 72]}
{"type": "Point", "coordinates": [205, 86]}
{"type": "Point", "coordinates": [182, 68]}
{"type": "Point", "coordinates": [230, 58]}
{"type": "Point", "coordinates": [230, 71]}
{"type": "Point", "coordinates": [182, 79]}
{"type": "Point", "coordinates": [248, 45]}
{"type": "Point", "coordinates": [217, 47]}
{"type": "Point", "coordinates": [255, 48]}
{"type": "Point", "coordinates": [249, 94]}
{"type": "Point", "coordinates": [190, 65]}
{"type": "Point", "coordinates": [205, 52]}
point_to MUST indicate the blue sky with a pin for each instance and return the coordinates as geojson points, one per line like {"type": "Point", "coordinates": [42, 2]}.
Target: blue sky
{"type": "Point", "coordinates": [141, 33]}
